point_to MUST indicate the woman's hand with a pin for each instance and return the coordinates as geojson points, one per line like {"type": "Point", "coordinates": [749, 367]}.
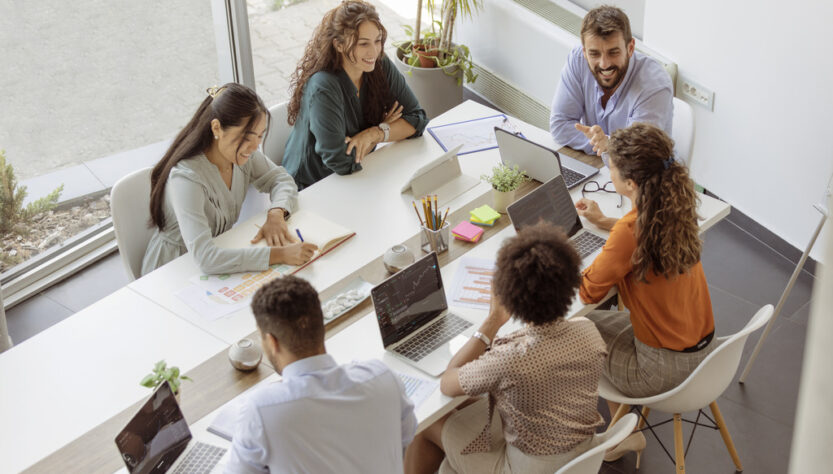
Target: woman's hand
{"type": "Point", "coordinates": [297, 253]}
{"type": "Point", "coordinates": [590, 210]}
{"type": "Point", "coordinates": [274, 230]}
{"type": "Point", "coordinates": [364, 141]}
{"type": "Point", "coordinates": [394, 114]}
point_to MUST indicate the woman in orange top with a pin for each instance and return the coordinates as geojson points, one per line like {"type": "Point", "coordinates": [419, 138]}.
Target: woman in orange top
{"type": "Point", "coordinates": [653, 257]}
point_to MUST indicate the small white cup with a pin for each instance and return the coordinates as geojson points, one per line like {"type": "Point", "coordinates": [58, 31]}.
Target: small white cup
{"type": "Point", "coordinates": [397, 257]}
{"type": "Point", "coordinates": [245, 355]}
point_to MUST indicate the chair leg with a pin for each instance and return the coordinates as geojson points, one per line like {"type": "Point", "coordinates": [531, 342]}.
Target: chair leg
{"type": "Point", "coordinates": [645, 411]}
{"type": "Point", "coordinates": [620, 412]}
{"type": "Point", "coordinates": [724, 432]}
{"type": "Point", "coordinates": [679, 451]}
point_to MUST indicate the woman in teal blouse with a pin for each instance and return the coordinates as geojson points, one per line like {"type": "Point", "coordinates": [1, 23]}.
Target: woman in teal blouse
{"type": "Point", "coordinates": [347, 97]}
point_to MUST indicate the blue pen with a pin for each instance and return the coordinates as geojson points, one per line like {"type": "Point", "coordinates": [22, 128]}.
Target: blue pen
{"type": "Point", "coordinates": [297, 231]}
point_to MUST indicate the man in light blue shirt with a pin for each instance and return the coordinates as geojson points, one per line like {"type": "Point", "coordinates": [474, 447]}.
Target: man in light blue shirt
{"type": "Point", "coordinates": [322, 417]}
{"type": "Point", "coordinates": [606, 85]}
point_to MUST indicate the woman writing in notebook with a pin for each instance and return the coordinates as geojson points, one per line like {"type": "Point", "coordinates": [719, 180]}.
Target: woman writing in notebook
{"type": "Point", "coordinates": [347, 97]}
{"type": "Point", "coordinates": [198, 188]}
{"type": "Point", "coordinates": [653, 257]}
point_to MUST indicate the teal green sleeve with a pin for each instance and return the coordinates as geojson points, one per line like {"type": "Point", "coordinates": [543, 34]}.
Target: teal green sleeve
{"type": "Point", "coordinates": [411, 110]}
{"type": "Point", "coordinates": [326, 123]}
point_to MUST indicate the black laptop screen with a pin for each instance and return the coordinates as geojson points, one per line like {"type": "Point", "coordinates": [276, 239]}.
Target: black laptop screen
{"type": "Point", "coordinates": [156, 436]}
{"type": "Point", "coordinates": [549, 202]}
{"type": "Point", "coordinates": [409, 299]}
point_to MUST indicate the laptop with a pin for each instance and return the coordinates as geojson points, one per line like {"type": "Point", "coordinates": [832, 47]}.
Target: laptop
{"type": "Point", "coordinates": [551, 202]}
{"type": "Point", "coordinates": [157, 440]}
{"type": "Point", "coordinates": [539, 162]}
{"type": "Point", "coordinates": [413, 317]}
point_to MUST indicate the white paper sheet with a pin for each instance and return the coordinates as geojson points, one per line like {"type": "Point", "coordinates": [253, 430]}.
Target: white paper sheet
{"type": "Point", "coordinates": [472, 287]}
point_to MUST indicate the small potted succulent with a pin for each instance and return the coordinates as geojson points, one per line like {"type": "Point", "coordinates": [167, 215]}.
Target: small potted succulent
{"type": "Point", "coordinates": [505, 180]}
{"type": "Point", "coordinates": [161, 372]}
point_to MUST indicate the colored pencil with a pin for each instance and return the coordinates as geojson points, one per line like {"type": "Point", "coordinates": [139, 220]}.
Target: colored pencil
{"type": "Point", "coordinates": [417, 213]}
{"type": "Point", "coordinates": [442, 224]}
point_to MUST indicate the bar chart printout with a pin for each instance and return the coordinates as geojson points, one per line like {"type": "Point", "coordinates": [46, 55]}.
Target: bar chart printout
{"type": "Point", "coordinates": [473, 283]}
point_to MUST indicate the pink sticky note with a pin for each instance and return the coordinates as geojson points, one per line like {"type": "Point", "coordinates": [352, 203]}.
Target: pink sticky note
{"type": "Point", "coordinates": [467, 231]}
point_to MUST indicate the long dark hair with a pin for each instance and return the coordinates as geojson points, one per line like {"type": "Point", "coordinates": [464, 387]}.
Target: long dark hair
{"type": "Point", "coordinates": [233, 105]}
{"type": "Point", "coordinates": [667, 234]}
{"type": "Point", "coordinates": [341, 25]}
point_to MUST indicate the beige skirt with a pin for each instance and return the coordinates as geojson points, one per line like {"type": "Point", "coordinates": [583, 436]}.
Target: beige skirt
{"type": "Point", "coordinates": [637, 369]}
{"type": "Point", "coordinates": [463, 426]}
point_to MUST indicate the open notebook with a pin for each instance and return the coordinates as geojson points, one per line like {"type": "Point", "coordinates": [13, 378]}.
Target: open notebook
{"type": "Point", "coordinates": [236, 288]}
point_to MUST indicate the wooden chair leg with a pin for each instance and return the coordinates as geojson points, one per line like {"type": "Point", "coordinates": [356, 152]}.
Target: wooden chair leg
{"type": "Point", "coordinates": [620, 412]}
{"type": "Point", "coordinates": [679, 448]}
{"type": "Point", "coordinates": [724, 432]}
{"type": "Point", "coordinates": [645, 411]}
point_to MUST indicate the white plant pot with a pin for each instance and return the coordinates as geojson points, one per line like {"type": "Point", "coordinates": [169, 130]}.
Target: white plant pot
{"type": "Point", "coordinates": [502, 200]}
{"type": "Point", "coordinates": [434, 88]}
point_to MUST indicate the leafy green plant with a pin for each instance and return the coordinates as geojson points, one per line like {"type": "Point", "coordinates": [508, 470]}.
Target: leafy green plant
{"type": "Point", "coordinates": [12, 211]}
{"type": "Point", "coordinates": [161, 372]}
{"type": "Point", "coordinates": [434, 48]}
{"type": "Point", "coordinates": [505, 178]}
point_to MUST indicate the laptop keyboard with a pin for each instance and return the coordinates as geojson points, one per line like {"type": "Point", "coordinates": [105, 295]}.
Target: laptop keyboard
{"type": "Point", "coordinates": [587, 243]}
{"type": "Point", "coordinates": [570, 177]}
{"type": "Point", "coordinates": [432, 337]}
{"type": "Point", "coordinates": [200, 459]}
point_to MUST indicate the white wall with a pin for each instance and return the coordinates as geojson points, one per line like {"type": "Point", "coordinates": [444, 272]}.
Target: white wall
{"type": "Point", "coordinates": [766, 148]}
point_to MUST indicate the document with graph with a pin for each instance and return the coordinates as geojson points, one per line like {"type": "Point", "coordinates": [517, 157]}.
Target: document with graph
{"type": "Point", "coordinates": [474, 135]}
{"type": "Point", "coordinates": [472, 286]}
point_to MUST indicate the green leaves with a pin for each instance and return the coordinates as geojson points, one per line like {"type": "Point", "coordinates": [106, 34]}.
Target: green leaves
{"type": "Point", "coordinates": [12, 211]}
{"type": "Point", "coordinates": [505, 178]}
{"type": "Point", "coordinates": [161, 372]}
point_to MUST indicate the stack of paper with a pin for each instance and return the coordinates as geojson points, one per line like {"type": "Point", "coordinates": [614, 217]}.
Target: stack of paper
{"type": "Point", "coordinates": [467, 232]}
{"type": "Point", "coordinates": [483, 215]}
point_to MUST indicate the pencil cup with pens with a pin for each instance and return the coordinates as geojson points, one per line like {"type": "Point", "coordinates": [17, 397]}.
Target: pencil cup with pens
{"type": "Point", "coordinates": [435, 231]}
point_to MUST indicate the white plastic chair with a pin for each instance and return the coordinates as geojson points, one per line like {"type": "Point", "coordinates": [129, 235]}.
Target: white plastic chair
{"type": "Point", "coordinates": [130, 204]}
{"type": "Point", "coordinates": [700, 389]}
{"type": "Point", "coordinates": [682, 131]}
{"type": "Point", "coordinates": [590, 461]}
{"type": "Point", "coordinates": [278, 134]}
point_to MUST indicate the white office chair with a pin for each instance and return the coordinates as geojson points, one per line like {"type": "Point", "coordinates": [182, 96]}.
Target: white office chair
{"type": "Point", "coordinates": [130, 204]}
{"type": "Point", "coordinates": [700, 389]}
{"type": "Point", "coordinates": [590, 461]}
{"type": "Point", "coordinates": [278, 134]}
{"type": "Point", "coordinates": [682, 131]}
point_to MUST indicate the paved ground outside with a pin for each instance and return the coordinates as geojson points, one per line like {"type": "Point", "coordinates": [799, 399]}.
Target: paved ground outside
{"type": "Point", "coordinates": [87, 79]}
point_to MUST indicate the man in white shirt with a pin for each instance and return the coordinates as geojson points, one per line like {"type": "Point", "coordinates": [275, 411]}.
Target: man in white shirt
{"type": "Point", "coordinates": [322, 417]}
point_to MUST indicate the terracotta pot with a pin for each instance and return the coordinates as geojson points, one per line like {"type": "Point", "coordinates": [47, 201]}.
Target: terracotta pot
{"type": "Point", "coordinates": [426, 57]}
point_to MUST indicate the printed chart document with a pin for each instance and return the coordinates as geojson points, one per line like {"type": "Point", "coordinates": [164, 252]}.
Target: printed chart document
{"type": "Point", "coordinates": [473, 135]}
{"type": "Point", "coordinates": [417, 389]}
{"type": "Point", "coordinates": [220, 295]}
{"type": "Point", "coordinates": [472, 287]}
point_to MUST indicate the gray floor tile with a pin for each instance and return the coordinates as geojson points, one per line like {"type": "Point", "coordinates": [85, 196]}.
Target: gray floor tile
{"type": "Point", "coordinates": [110, 169]}
{"type": "Point", "coordinates": [91, 284]}
{"type": "Point", "coordinates": [77, 180]}
{"type": "Point", "coordinates": [744, 267]}
{"type": "Point", "coordinates": [33, 316]}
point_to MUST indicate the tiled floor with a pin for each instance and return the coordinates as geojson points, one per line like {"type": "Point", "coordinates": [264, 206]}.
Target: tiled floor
{"type": "Point", "coordinates": [743, 275]}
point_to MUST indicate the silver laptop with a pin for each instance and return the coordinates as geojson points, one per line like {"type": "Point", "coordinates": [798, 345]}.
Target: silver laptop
{"type": "Point", "coordinates": [413, 317]}
{"type": "Point", "coordinates": [551, 202]}
{"type": "Point", "coordinates": [157, 440]}
{"type": "Point", "coordinates": [540, 162]}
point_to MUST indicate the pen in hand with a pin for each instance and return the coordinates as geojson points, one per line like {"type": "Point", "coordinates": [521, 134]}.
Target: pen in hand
{"type": "Point", "coordinates": [298, 231]}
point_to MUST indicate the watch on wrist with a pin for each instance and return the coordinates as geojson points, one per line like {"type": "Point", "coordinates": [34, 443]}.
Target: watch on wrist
{"type": "Point", "coordinates": [385, 127]}
{"type": "Point", "coordinates": [482, 337]}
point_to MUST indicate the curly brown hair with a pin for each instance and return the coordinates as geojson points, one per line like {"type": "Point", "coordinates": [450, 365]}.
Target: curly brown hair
{"type": "Point", "coordinates": [667, 234]}
{"type": "Point", "coordinates": [341, 25]}
{"type": "Point", "coordinates": [537, 274]}
{"type": "Point", "coordinates": [289, 309]}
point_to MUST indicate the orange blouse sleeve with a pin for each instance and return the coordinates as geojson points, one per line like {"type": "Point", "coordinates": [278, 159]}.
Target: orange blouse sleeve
{"type": "Point", "coordinates": [613, 264]}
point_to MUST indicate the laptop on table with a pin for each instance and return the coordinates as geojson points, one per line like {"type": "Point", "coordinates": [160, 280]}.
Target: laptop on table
{"type": "Point", "coordinates": [539, 162]}
{"type": "Point", "coordinates": [412, 312]}
{"type": "Point", "coordinates": [552, 203]}
{"type": "Point", "coordinates": [157, 440]}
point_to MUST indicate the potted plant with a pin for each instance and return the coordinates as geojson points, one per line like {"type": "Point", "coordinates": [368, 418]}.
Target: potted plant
{"type": "Point", "coordinates": [434, 67]}
{"type": "Point", "coordinates": [505, 180]}
{"type": "Point", "coordinates": [161, 372]}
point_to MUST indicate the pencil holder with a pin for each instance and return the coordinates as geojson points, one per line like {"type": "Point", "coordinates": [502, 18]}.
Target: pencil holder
{"type": "Point", "coordinates": [435, 240]}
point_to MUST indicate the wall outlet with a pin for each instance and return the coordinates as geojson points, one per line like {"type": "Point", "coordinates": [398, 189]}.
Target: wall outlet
{"type": "Point", "coordinates": [694, 92]}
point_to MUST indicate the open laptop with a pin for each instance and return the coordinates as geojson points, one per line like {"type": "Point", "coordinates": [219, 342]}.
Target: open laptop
{"type": "Point", "coordinates": [540, 162]}
{"type": "Point", "coordinates": [551, 202]}
{"type": "Point", "coordinates": [413, 317]}
{"type": "Point", "coordinates": [157, 439]}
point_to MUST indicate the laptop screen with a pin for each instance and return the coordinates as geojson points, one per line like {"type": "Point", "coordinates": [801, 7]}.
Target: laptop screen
{"type": "Point", "coordinates": [156, 436]}
{"type": "Point", "coordinates": [409, 299]}
{"type": "Point", "coordinates": [537, 161]}
{"type": "Point", "coordinates": [550, 202]}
